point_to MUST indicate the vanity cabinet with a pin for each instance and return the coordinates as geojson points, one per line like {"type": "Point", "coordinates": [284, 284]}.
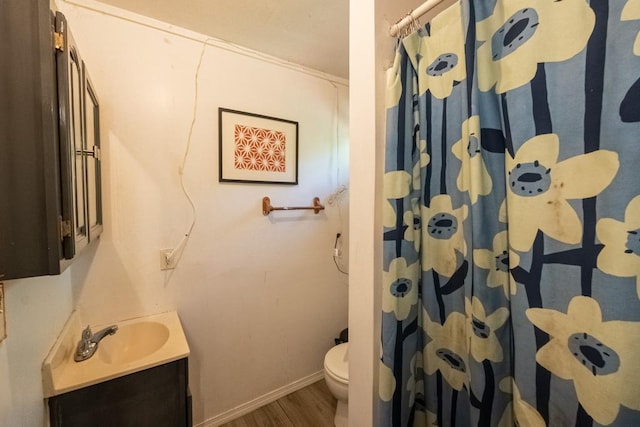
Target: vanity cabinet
{"type": "Point", "coordinates": [50, 163]}
{"type": "Point", "coordinates": [155, 397]}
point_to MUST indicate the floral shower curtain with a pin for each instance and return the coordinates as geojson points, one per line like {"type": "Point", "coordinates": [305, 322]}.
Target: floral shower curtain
{"type": "Point", "coordinates": [511, 282]}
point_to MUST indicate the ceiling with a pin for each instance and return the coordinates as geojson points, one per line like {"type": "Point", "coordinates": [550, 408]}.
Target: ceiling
{"type": "Point", "coordinates": [312, 33]}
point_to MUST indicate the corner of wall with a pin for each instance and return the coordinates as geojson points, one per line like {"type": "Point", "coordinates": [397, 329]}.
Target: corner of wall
{"type": "Point", "coordinates": [36, 310]}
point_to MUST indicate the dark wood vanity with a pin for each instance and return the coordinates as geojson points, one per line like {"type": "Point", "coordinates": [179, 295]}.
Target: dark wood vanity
{"type": "Point", "coordinates": [154, 397]}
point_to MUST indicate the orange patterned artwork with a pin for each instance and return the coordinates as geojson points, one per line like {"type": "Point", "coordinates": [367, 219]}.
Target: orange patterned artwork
{"type": "Point", "coordinates": [259, 149]}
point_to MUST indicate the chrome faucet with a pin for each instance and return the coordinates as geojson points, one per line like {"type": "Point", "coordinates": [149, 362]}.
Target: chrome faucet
{"type": "Point", "coordinates": [88, 344]}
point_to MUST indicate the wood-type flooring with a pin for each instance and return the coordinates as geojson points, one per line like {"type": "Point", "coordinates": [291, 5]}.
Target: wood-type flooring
{"type": "Point", "coordinates": [311, 406]}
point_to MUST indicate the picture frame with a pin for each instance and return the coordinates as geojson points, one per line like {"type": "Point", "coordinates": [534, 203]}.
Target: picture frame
{"type": "Point", "coordinates": [257, 149]}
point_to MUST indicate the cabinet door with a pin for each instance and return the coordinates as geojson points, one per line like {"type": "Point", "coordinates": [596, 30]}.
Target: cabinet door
{"type": "Point", "coordinates": [92, 156]}
{"type": "Point", "coordinates": [30, 243]}
{"type": "Point", "coordinates": [72, 145]}
{"type": "Point", "coordinates": [154, 397]}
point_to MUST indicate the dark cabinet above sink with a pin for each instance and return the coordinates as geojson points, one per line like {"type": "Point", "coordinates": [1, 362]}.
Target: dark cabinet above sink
{"type": "Point", "coordinates": [50, 163]}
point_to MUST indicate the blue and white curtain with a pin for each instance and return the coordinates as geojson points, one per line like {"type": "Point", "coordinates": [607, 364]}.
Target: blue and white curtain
{"type": "Point", "coordinates": [511, 283]}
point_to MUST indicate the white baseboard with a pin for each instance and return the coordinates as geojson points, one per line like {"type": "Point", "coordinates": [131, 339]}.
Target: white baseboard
{"type": "Point", "coordinates": [263, 400]}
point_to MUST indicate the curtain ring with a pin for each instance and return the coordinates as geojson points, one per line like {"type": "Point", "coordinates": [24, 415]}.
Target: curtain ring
{"type": "Point", "coordinates": [414, 25]}
{"type": "Point", "coordinates": [408, 29]}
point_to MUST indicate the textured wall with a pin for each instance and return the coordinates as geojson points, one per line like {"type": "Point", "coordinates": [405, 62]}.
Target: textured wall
{"type": "Point", "coordinates": [259, 297]}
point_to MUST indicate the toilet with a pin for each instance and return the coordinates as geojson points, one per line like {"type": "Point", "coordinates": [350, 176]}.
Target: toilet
{"type": "Point", "coordinates": [336, 374]}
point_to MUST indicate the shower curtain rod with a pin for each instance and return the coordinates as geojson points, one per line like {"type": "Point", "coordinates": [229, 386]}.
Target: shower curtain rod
{"type": "Point", "coordinates": [413, 16]}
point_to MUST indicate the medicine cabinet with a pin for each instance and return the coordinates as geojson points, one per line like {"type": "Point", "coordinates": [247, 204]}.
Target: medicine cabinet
{"type": "Point", "coordinates": [50, 163]}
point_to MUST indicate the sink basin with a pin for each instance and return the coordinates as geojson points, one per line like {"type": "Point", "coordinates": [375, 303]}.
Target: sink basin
{"type": "Point", "coordinates": [132, 342]}
{"type": "Point", "coordinates": [138, 344]}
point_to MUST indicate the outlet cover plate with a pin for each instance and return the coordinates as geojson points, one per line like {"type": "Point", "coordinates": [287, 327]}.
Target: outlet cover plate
{"type": "Point", "coordinates": [167, 262]}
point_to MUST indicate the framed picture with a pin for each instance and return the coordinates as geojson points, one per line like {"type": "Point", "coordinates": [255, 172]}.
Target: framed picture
{"type": "Point", "coordinates": [256, 148]}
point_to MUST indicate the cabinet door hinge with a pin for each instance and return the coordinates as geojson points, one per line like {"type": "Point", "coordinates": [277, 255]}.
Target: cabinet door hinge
{"type": "Point", "coordinates": [58, 41]}
{"type": "Point", "coordinates": [65, 228]}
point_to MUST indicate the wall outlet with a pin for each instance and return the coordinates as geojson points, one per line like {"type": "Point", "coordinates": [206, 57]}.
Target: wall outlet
{"type": "Point", "coordinates": [167, 262]}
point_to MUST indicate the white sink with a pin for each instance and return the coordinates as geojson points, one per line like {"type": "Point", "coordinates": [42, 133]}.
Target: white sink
{"type": "Point", "coordinates": [132, 342]}
{"type": "Point", "coordinates": [138, 344]}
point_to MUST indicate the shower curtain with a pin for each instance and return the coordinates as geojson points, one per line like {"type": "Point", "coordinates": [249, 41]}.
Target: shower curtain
{"type": "Point", "coordinates": [511, 271]}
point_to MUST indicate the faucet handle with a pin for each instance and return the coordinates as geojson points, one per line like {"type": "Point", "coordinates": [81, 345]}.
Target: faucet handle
{"type": "Point", "coordinates": [86, 333]}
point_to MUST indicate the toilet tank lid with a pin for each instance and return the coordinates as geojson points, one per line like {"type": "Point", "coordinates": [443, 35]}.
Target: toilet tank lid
{"type": "Point", "coordinates": [336, 361]}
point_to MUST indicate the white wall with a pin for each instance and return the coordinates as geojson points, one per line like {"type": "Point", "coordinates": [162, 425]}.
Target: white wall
{"type": "Point", "coordinates": [364, 216]}
{"type": "Point", "coordinates": [259, 297]}
{"type": "Point", "coordinates": [36, 309]}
